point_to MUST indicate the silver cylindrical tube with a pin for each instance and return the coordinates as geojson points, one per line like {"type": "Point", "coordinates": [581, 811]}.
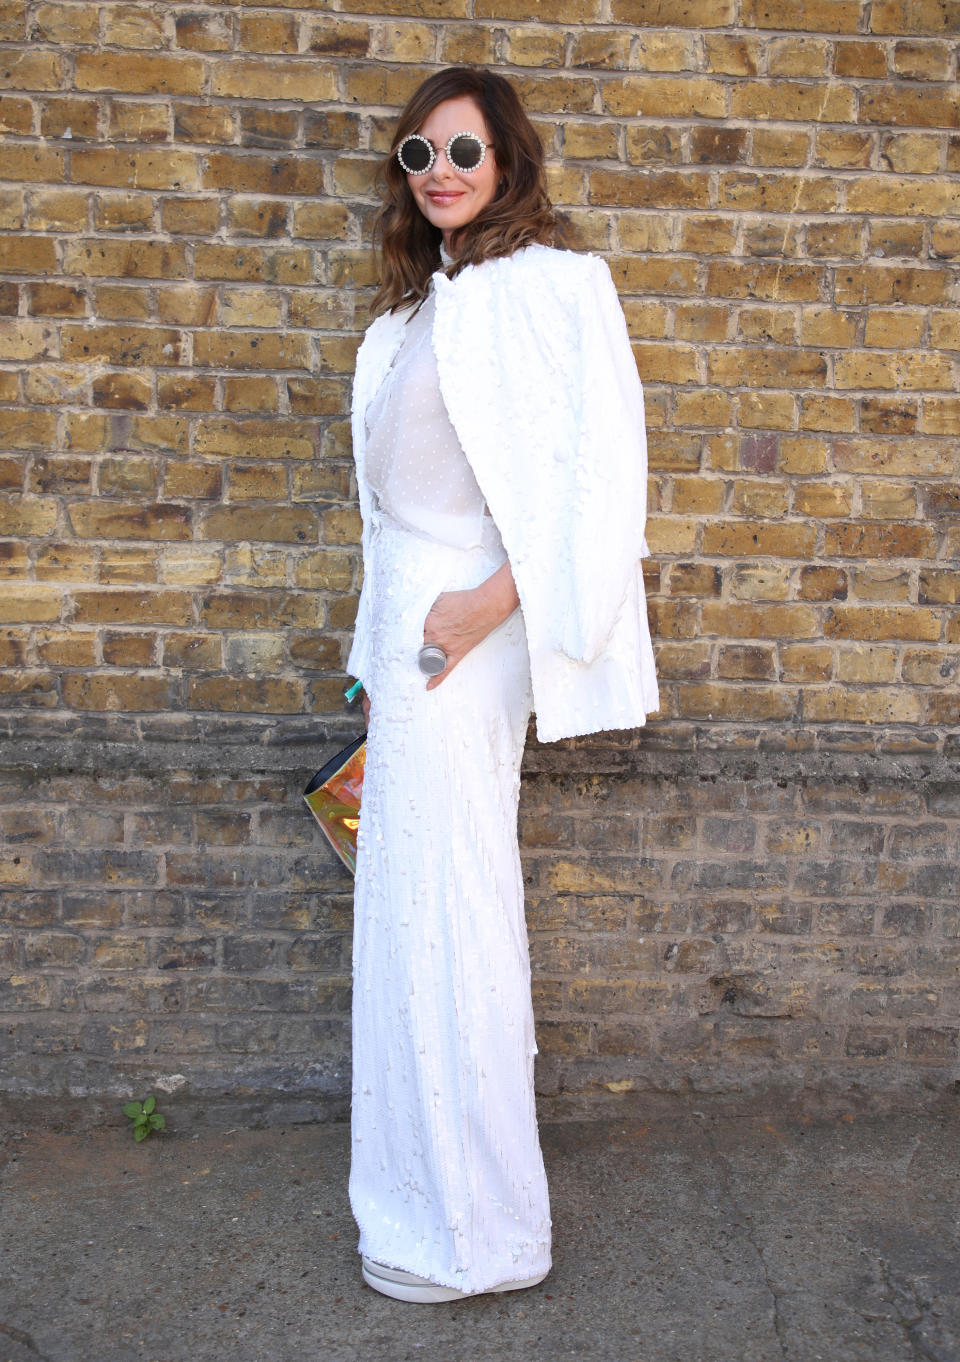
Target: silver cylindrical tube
{"type": "Point", "coordinates": [431, 659]}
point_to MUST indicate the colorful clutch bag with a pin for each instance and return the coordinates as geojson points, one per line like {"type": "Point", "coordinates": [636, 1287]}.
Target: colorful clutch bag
{"type": "Point", "coordinates": [333, 797]}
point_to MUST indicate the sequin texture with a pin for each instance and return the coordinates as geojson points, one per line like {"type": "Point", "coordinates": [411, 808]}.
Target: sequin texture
{"type": "Point", "coordinates": [447, 1179]}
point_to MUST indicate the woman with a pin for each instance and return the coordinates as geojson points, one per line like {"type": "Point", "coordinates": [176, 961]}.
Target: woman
{"type": "Point", "coordinates": [499, 443]}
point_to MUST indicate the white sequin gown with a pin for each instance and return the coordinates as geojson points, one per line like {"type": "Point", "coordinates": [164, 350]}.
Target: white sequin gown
{"type": "Point", "coordinates": [446, 1179]}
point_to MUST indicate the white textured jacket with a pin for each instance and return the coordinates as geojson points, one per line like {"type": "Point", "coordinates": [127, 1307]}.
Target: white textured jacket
{"type": "Point", "coordinates": [540, 383]}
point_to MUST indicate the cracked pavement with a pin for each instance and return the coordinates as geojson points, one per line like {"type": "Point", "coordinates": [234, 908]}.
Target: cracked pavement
{"type": "Point", "coordinates": [687, 1229]}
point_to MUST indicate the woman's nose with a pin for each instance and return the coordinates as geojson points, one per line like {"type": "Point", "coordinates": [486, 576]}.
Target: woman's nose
{"type": "Point", "coordinates": [441, 165]}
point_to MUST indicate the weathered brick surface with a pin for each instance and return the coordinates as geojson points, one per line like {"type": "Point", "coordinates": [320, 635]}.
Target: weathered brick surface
{"type": "Point", "coordinates": [185, 208]}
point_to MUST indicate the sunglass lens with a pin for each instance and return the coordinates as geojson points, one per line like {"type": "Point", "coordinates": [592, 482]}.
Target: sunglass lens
{"type": "Point", "coordinates": [414, 155]}
{"type": "Point", "coordinates": [465, 152]}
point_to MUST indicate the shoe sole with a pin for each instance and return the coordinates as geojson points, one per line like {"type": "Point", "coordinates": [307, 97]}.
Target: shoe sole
{"type": "Point", "coordinates": [404, 1286]}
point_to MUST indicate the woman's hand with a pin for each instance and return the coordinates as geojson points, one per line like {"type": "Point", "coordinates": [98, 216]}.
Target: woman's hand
{"type": "Point", "coordinates": [365, 706]}
{"type": "Point", "coordinates": [459, 620]}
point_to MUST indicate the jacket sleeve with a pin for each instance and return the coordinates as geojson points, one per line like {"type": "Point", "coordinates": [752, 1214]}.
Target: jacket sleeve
{"type": "Point", "coordinates": [608, 516]}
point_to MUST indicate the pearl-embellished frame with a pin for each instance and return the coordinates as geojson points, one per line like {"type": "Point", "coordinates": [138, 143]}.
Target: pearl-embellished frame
{"type": "Point", "coordinates": [462, 170]}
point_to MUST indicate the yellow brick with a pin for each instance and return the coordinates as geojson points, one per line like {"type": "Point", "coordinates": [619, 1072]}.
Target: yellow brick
{"type": "Point", "coordinates": [703, 408]}
{"type": "Point", "coordinates": [768, 411]}
{"type": "Point", "coordinates": [941, 416]}
{"type": "Point", "coordinates": [835, 238]}
{"type": "Point", "coordinates": [11, 209]}
{"type": "Point", "coordinates": [16, 115]}
{"type": "Point", "coordinates": [759, 498]}
{"type": "Point", "coordinates": [775, 620]}
{"type": "Point", "coordinates": [827, 413]}
{"type": "Point", "coordinates": [327, 221]}
{"type": "Point", "coordinates": [664, 97]}
{"type": "Point", "coordinates": [859, 58]}
{"type": "Point", "coordinates": [911, 16]}
{"type": "Point", "coordinates": [534, 46]}
{"type": "Point", "coordinates": [666, 52]}
{"type": "Point", "coordinates": [645, 319]}
{"type": "Point", "coordinates": [698, 496]}
{"type": "Point", "coordinates": [151, 73]}
{"type": "Point", "coordinates": [138, 121]}
{"type": "Point", "coordinates": [195, 217]}
{"type": "Point", "coordinates": [302, 79]}
{"type": "Point", "coordinates": [31, 163]}
{"type": "Point", "coordinates": [116, 212]}
{"type": "Point", "coordinates": [22, 339]}
{"type": "Point", "coordinates": [249, 350]}
{"type": "Point", "coordinates": [822, 499]}
{"type": "Point", "coordinates": [799, 56]}
{"type": "Point", "coordinates": [593, 141]}
{"type": "Point", "coordinates": [874, 706]}
{"type": "Point", "coordinates": [132, 26]}
{"type": "Point", "coordinates": [467, 44]}
{"type": "Point", "coordinates": [894, 328]}
{"type": "Point", "coordinates": [766, 368]}
{"type": "Point", "coordinates": [729, 55]}
{"type": "Point", "coordinates": [708, 235]}
{"type": "Point", "coordinates": [929, 667]}
{"type": "Point", "coordinates": [268, 33]}
{"type": "Point", "coordinates": [945, 330]}
{"type": "Point", "coordinates": [876, 623]}
{"type": "Point", "coordinates": [903, 197]}
{"type": "Point", "coordinates": [666, 363]}
{"type": "Point", "coordinates": [826, 327]}
{"type": "Point", "coordinates": [768, 324]}
{"type": "Point", "coordinates": [845, 150]}
{"type": "Point", "coordinates": [916, 371]}
{"type": "Point", "coordinates": [250, 394]}
{"type": "Point", "coordinates": [911, 153]}
{"type": "Point", "coordinates": [881, 584]}
{"type": "Point", "coordinates": [31, 70]}
{"type": "Point", "coordinates": [204, 32]}
{"type": "Point", "coordinates": [714, 700]}
{"type": "Point", "coordinates": [251, 307]}
{"type": "Point", "coordinates": [682, 13]}
{"type": "Point", "coordinates": [58, 384]}
{"type": "Point", "coordinates": [671, 534]}
{"type": "Point", "coordinates": [339, 38]}
{"type": "Point", "coordinates": [898, 104]}
{"type": "Point", "coordinates": [602, 48]}
{"type": "Point", "coordinates": [140, 259]}
{"type": "Point", "coordinates": [29, 604]}
{"type": "Point", "coordinates": [800, 662]}
{"type": "Point", "coordinates": [824, 16]}
{"type": "Point", "coordinates": [703, 321]}
{"type": "Point", "coordinates": [795, 101]}
{"type": "Point", "coordinates": [165, 169]}
{"type": "Point", "coordinates": [750, 192]}
{"type": "Point", "coordinates": [741, 538]}
{"type": "Point", "coordinates": [761, 582]}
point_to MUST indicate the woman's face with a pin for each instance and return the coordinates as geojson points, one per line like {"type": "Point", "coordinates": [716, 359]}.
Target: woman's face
{"type": "Point", "coordinates": [447, 197]}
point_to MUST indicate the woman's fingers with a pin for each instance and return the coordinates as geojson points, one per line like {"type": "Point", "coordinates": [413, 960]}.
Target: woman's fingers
{"type": "Point", "coordinates": [365, 705]}
{"type": "Point", "coordinates": [457, 622]}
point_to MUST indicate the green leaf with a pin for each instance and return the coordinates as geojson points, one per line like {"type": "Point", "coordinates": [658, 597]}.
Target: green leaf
{"type": "Point", "coordinates": [149, 1105]}
{"type": "Point", "coordinates": [157, 1121]}
{"type": "Point", "coordinates": [132, 1109]}
{"type": "Point", "coordinates": [140, 1133]}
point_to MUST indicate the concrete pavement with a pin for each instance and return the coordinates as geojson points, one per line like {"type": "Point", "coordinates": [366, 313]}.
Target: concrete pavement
{"type": "Point", "coordinates": [686, 1230]}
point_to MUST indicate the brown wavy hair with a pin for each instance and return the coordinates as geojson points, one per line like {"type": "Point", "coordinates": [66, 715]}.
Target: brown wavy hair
{"type": "Point", "coordinates": [519, 214]}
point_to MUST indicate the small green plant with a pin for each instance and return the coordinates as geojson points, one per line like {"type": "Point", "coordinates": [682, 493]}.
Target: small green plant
{"type": "Point", "coordinates": [145, 1118]}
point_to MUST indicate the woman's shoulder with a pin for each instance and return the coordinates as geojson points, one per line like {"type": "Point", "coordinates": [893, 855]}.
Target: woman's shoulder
{"type": "Point", "coordinates": [553, 263]}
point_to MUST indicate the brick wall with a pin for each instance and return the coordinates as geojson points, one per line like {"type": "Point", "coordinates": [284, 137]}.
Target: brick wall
{"type": "Point", "coordinates": [758, 887]}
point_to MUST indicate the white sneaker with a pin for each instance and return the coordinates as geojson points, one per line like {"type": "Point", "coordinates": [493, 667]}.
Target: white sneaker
{"type": "Point", "coordinates": [407, 1286]}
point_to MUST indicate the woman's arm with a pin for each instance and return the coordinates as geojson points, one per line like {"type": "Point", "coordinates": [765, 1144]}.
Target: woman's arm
{"type": "Point", "coordinates": [459, 620]}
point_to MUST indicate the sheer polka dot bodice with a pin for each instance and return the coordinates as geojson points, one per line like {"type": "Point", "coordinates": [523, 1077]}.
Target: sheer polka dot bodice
{"type": "Point", "coordinates": [415, 466]}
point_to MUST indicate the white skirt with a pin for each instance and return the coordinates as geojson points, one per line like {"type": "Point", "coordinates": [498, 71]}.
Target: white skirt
{"type": "Point", "coordinates": [446, 1178]}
